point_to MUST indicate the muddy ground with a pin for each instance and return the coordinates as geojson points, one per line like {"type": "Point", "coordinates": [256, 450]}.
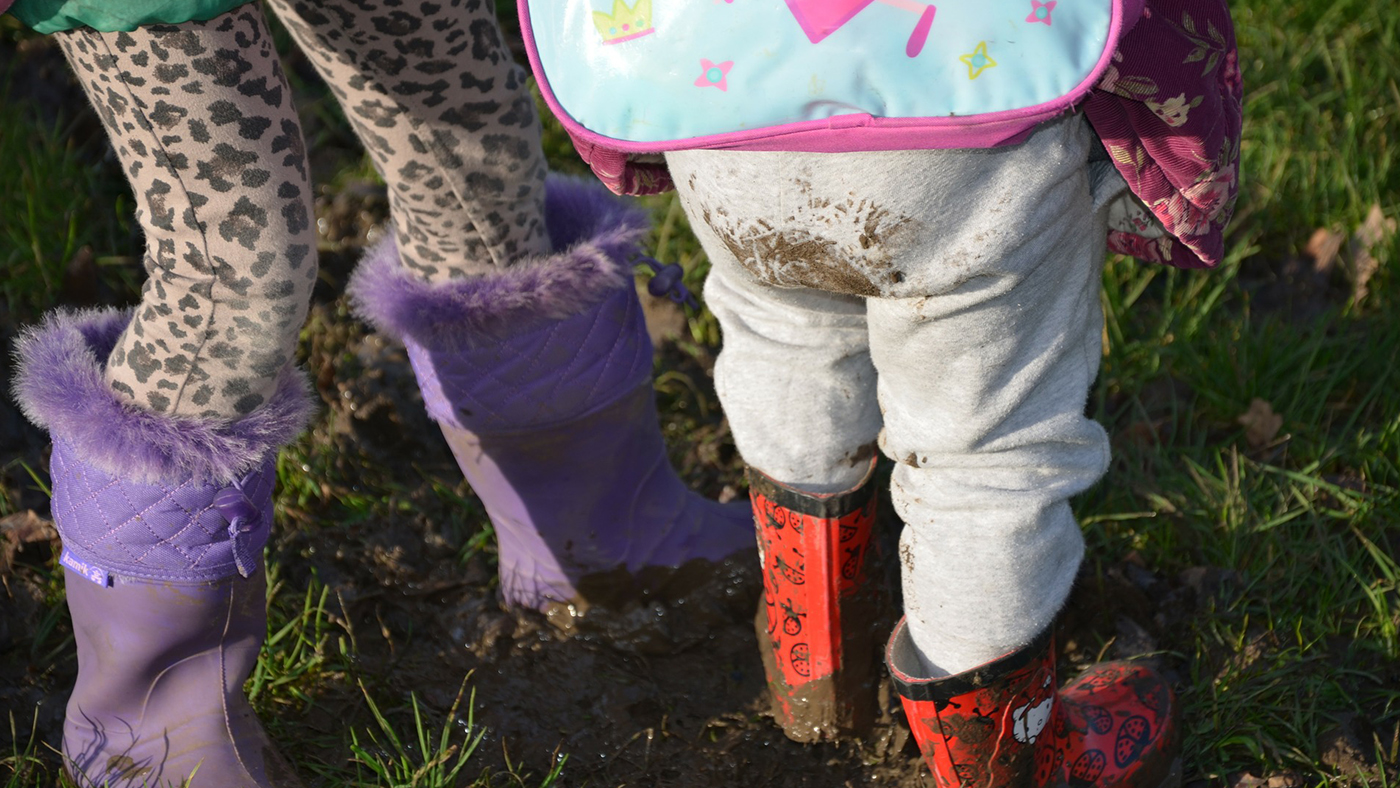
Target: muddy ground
{"type": "Point", "coordinates": [420, 619]}
{"type": "Point", "coordinates": [416, 601]}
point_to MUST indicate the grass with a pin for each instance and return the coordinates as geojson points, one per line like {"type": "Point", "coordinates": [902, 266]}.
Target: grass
{"type": "Point", "coordinates": [1304, 524]}
{"type": "Point", "coordinates": [434, 759]}
{"type": "Point", "coordinates": [60, 198]}
{"type": "Point", "coordinates": [1310, 521]}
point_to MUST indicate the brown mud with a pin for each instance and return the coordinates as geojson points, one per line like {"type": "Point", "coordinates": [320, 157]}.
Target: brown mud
{"type": "Point", "coordinates": [843, 248]}
{"type": "Point", "coordinates": [631, 700]}
{"type": "Point", "coordinates": [412, 594]}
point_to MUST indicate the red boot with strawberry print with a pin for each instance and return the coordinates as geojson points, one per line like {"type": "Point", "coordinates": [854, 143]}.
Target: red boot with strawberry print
{"type": "Point", "coordinates": [1006, 723]}
{"type": "Point", "coordinates": [818, 627]}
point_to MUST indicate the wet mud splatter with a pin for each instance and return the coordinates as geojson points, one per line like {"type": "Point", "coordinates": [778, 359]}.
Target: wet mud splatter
{"type": "Point", "coordinates": [664, 689]}
{"type": "Point", "coordinates": [847, 247]}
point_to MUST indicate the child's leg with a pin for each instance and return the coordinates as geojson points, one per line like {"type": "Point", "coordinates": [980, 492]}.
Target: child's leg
{"type": "Point", "coordinates": [794, 372]}
{"type": "Point", "coordinates": [526, 336]}
{"type": "Point", "coordinates": [795, 378]}
{"type": "Point", "coordinates": [166, 423]}
{"type": "Point", "coordinates": [447, 116]}
{"type": "Point", "coordinates": [981, 273]}
{"type": "Point", "coordinates": [798, 387]}
{"type": "Point", "coordinates": [983, 383]}
{"type": "Point", "coordinates": [201, 119]}
{"type": "Point", "coordinates": [981, 270]}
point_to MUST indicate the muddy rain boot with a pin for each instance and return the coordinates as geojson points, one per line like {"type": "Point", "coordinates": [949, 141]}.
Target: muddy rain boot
{"type": "Point", "coordinates": [819, 626]}
{"type": "Point", "coordinates": [1005, 723]}
{"type": "Point", "coordinates": [540, 378]}
{"type": "Point", "coordinates": [163, 521]}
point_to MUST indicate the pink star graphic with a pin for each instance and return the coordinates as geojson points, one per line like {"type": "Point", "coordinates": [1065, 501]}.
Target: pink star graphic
{"type": "Point", "coordinates": [1040, 12]}
{"type": "Point", "coordinates": [714, 74]}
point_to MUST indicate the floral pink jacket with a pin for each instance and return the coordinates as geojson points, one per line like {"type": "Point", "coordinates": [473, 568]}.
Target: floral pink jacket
{"type": "Point", "coordinates": [1168, 111]}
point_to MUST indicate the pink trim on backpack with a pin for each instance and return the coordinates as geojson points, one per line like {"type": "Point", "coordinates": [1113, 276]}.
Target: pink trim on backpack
{"type": "Point", "coordinates": [1183, 167]}
{"type": "Point", "coordinates": [841, 133]}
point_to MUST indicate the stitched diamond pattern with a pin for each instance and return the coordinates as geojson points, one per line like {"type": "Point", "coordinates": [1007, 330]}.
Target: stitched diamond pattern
{"type": "Point", "coordinates": [550, 375]}
{"type": "Point", "coordinates": [158, 531]}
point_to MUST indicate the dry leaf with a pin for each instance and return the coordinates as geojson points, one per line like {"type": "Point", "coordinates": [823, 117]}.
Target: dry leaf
{"type": "Point", "coordinates": [1323, 247]}
{"type": "Point", "coordinates": [1286, 780]}
{"type": "Point", "coordinates": [20, 529]}
{"type": "Point", "coordinates": [1369, 234]}
{"type": "Point", "coordinates": [1261, 424]}
{"type": "Point", "coordinates": [25, 527]}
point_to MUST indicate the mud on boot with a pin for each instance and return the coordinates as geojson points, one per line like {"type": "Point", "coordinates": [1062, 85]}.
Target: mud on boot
{"type": "Point", "coordinates": [1009, 723]}
{"type": "Point", "coordinates": [540, 379]}
{"type": "Point", "coordinates": [163, 520]}
{"type": "Point", "coordinates": [820, 621]}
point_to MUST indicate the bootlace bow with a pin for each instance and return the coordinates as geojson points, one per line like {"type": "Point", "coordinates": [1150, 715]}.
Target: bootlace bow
{"type": "Point", "coordinates": [243, 517]}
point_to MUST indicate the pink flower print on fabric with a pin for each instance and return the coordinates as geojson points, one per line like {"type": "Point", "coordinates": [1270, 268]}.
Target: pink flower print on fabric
{"type": "Point", "coordinates": [1177, 212]}
{"type": "Point", "coordinates": [1180, 157]}
{"type": "Point", "coordinates": [1213, 192]}
{"type": "Point", "coordinates": [1040, 12]}
{"type": "Point", "coordinates": [714, 75]}
{"type": "Point", "coordinates": [1155, 249]}
{"type": "Point", "coordinates": [1230, 74]}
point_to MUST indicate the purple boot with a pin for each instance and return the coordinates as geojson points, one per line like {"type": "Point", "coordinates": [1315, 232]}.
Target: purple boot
{"type": "Point", "coordinates": [163, 521]}
{"type": "Point", "coordinates": [540, 377]}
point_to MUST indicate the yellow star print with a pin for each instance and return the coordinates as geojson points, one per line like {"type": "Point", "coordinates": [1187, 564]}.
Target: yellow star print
{"type": "Point", "coordinates": [978, 61]}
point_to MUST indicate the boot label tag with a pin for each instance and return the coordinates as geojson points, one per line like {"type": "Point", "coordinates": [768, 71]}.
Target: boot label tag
{"type": "Point", "coordinates": [92, 572]}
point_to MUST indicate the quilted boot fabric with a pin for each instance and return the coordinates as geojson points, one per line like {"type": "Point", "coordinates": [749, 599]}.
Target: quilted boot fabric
{"type": "Point", "coordinates": [819, 627]}
{"type": "Point", "coordinates": [163, 520]}
{"type": "Point", "coordinates": [1005, 723]}
{"type": "Point", "coordinates": [166, 589]}
{"type": "Point", "coordinates": [540, 378]}
{"type": "Point", "coordinates": [180, 531]}
{"type": "Point", "coordinates": [556, 431]}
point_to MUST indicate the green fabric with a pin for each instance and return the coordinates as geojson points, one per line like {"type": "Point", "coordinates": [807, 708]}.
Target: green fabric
{"type": "Point", "coordinates": [109, 16]}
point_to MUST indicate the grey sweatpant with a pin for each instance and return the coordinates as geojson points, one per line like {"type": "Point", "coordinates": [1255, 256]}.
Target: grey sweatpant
{"type": "Point", "coordinates": [944, 303]}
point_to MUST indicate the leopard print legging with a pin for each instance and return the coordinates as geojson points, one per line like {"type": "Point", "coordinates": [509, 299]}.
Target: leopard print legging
{"type": "Point", "coordinates": [200, 116]}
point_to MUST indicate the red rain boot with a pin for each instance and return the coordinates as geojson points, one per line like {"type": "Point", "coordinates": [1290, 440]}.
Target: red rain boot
{"type": "Point", "coordinates": [1006, 724]}
{"type": "Point", "coordinates": [816, 628]}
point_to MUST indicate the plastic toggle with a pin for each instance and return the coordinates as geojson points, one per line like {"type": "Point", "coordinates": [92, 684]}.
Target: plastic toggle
{"type": "Point", "coordinates": [243, 518]}
{"type": "Point", "coordinates": [667, 282]}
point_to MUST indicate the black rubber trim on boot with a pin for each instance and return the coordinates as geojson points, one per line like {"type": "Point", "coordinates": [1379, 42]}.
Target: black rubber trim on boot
{"type": "Point", "coordinates": [946, 688]}
{"type": "Point", "coordinates": [825, 506]}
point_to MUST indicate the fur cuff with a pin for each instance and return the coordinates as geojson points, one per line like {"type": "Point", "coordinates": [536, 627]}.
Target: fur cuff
{"type": "Point", "coordinates": [60, 386]}
{"type": "Point", "coordinates": [595, 233]}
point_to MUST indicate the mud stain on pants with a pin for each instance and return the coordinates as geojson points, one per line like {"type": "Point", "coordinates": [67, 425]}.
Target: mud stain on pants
{"type": "Point", "coordinates": [848, 247]}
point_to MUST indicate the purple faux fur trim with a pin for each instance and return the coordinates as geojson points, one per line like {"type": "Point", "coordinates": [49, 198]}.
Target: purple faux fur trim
{"type": "Point", "coordinates": [596, 233]}
{"type": "Point", "coordinates": [60, 387]}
